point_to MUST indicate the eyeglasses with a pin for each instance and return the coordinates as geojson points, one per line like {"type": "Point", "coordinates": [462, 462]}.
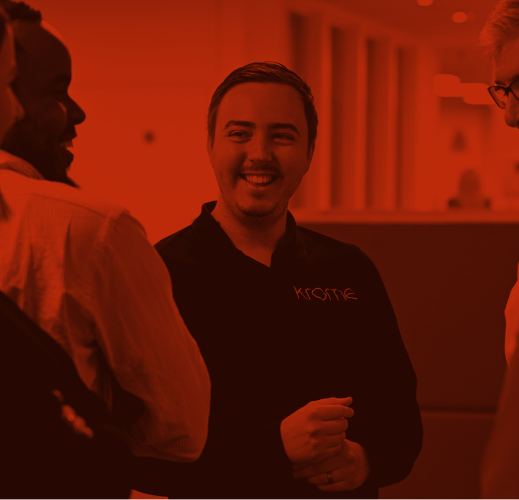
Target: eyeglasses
{"type": "Point", "coordinates": [500, 94]}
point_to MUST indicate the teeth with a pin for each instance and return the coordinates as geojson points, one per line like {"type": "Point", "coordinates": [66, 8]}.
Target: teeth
{"type": "Point", "coordinates": [259, 179]}
{"type": "Point", "coordinates": [66, 144]}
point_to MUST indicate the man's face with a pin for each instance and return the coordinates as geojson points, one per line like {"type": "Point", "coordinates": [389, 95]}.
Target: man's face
{"type": "Point", "coordinates": [44, 136]}
{"type": "Point", "coordinates": [10, 109]}
{"type": "Point", "coordinates": [506, 71]}
{"type": "Point", "coordinates": [260, 149]}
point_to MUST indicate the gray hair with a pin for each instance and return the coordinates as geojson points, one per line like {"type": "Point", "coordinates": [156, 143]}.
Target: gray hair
{"type": "Point", "coordinates": [501, 27]}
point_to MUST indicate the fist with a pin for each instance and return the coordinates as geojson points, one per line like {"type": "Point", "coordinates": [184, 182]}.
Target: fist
{"type": "Point", "coordinates": [316, 431]}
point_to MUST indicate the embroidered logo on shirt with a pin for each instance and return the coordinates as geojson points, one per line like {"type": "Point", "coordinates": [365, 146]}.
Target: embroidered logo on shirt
{"type": "Point", "coordinates": [333, 294]}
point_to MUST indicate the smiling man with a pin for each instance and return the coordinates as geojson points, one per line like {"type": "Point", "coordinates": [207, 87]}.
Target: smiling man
{"type": "Point", "coordinates": [44, 136]}
{"type": "Point", "coordinates": [296, 328]}
{"type": "Point", "coordinates": [499, 478]}
{"type": "Point", "coordinates": [64, 261]}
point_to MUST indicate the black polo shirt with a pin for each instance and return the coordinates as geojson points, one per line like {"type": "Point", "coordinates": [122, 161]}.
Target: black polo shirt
{"type": "Point", "coordinates": [318, 323]}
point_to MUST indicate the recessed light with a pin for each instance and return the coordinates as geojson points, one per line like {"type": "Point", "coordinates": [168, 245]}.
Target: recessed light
{"type": "Point", "coordinates": [459, 17]}
{"type": "Point", "coordinates": [471, 17]}
{"type": "Point", "coordinates": [424, 3]}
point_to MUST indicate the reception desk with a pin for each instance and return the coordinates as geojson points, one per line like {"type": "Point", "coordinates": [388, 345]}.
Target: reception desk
{"type": "Point", "coordinates": [448, 277]}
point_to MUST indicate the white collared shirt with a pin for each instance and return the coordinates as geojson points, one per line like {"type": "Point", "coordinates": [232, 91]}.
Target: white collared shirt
{"type": "Point", "coordinates": [512, 322]}
{"type": "Point", "coordinates": [85, 272]}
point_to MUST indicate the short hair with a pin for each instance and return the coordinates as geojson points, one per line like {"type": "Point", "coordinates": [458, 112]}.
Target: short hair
{"type": "Point", "coordinates": [501, 27]}
{"type": "Point", "coordinates": [3, 26]}
{"type": "Point", "coordinates": [265, 72]}
{"type": "Point", "coordinates": [20, 11]}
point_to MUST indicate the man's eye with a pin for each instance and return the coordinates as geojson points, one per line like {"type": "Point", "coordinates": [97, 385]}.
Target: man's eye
{"type": "Point", "coordinates": [237, 134]}
{"type": "Point", "coordinates": [283, 137]}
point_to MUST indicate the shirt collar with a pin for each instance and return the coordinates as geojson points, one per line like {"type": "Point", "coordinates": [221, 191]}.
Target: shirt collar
{"type": "Point", "coordinates": [16, 164]}
{"type": "Point", "coordinates": [290, 250]}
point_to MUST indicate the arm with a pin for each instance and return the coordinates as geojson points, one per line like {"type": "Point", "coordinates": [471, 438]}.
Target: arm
{"type": "Point", "coordinates": [147, 346]}
{"type": "Point", "coordinates": [387, 417]}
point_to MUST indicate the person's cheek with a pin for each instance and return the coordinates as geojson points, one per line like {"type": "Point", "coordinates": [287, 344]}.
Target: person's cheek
{"type": "Point", "coordinates": [52, 120]}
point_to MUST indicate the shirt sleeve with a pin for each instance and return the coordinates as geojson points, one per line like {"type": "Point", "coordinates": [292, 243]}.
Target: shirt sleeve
{"type": "Point", "coordinates": [148, 347]}
{"type": "Point", "coordinates": [512, 322]}
{"type": "Point", "coordinates": [387, 416]}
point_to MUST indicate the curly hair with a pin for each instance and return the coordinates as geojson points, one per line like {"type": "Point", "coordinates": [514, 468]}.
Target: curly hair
{"type": "Point", "coordinates": [501, 27]}
{"type": "Point", "coordinates": [20, 11]}
{"type": "Point", "coordinates": [265, 72]}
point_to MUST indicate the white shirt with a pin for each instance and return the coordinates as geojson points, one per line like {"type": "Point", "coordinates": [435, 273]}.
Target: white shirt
{"type": "Point", "coordinates": [85, 272]}
{"type": "Point", "coordinates": [512, 322]}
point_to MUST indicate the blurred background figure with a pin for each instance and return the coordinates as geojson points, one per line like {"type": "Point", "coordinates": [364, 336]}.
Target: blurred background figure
{"type": "Point", "coordinates": [469, 193]}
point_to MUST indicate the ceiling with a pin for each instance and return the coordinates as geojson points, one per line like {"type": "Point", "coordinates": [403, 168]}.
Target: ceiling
{"type": "Point", "coordinates": [433, 22]}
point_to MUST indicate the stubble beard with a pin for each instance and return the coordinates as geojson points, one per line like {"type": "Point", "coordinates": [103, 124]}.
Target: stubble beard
{"type": "Point", "coordinates": [254, 217]}
{"type": "Point", "coordinates": [41, 156]}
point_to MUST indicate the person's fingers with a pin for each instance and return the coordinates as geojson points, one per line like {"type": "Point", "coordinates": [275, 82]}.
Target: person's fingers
{"type": "Point", "coordinates": [332, 401]}
{"type": "Point", "coordinates": [336, 486]}
{"type": "Point", "coordinates": [326, 453]}
{"type": "Point", "coordinates": [319, 479]}
{"type": "Point", "coordinates": [337, 426]}
{"type": "Point", "coordinates": [307, 472]}
{"type": "Point", "coordinates": [331, 412]}
{"type": "Point", "coordinates": [315, 469]}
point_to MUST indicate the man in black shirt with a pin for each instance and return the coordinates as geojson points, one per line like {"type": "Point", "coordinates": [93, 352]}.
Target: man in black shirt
{"type": "Point", "coordinates": [289, 321]}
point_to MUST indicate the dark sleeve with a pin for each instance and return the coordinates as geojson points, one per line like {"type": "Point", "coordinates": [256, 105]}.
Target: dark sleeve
{"type": "Point", "coordinates": [387, 417]}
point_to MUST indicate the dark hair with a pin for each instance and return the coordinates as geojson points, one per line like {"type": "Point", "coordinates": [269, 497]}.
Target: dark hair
{"type": "Point", "coordinates": [265, 72]}
{"type": "Point", "coordinates": [3, 26]}
{"type": "Point", "coordinates": [20, 11]}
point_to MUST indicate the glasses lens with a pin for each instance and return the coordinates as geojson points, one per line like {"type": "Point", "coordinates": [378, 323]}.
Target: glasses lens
{"type": "Point", "coordinates": [499, 96]}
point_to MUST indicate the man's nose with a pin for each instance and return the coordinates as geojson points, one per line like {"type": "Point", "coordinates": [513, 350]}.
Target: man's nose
{"type": "Point", "coordinates": [260, 148]}
{"type": "Point", "coordinates": [76, 113]}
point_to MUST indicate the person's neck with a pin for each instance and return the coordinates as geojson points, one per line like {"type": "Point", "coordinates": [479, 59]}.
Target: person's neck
{"type": "Point", "coordinates": [256, 238]}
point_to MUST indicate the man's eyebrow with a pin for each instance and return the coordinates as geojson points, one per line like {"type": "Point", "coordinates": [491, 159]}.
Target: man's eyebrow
{"type": "Point", "coordinates": [237, 123]}
{"type": "Point", "coordinates": [276, 126]}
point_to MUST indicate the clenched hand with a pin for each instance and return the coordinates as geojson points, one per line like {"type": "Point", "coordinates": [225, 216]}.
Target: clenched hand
{"type": "Point", "coordinates": [348, 469]}
{"type": "Point", "coordinates": [316, 431]}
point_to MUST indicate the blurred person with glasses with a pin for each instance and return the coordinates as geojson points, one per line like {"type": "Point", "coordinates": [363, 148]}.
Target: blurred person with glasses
{"type": "Point", "coordinates": [499, 478]}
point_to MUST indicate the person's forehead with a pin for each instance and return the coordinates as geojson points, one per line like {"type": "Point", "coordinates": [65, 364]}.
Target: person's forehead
{"type": "Point", "coordinates": [507, 63]}
{"type": "Point", "coordinates": [269, 101]}
{"type": "Point", "coordinates": [42, 50]}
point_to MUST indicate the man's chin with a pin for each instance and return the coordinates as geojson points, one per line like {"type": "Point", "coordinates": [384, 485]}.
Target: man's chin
{"type": "Point", "coordinates": [259, 213]}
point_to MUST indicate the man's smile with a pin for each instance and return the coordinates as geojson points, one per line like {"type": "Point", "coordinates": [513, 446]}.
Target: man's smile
{"type": "Point", "coordinates": [259, 180]}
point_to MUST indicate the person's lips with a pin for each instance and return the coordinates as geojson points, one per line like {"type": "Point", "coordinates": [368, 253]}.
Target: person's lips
{"type": "Point", "coordinates": [67, 144]}
{"type": "Point", "coordinates": [259, 179]}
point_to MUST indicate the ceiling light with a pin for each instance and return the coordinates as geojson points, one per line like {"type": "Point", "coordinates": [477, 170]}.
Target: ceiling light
{"type": "Point", "coordinates": [471, 17]}
{"type": "Point", "coordinates": [459, 17]}
{"type": "Point", "coordinates": [424, 3]}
